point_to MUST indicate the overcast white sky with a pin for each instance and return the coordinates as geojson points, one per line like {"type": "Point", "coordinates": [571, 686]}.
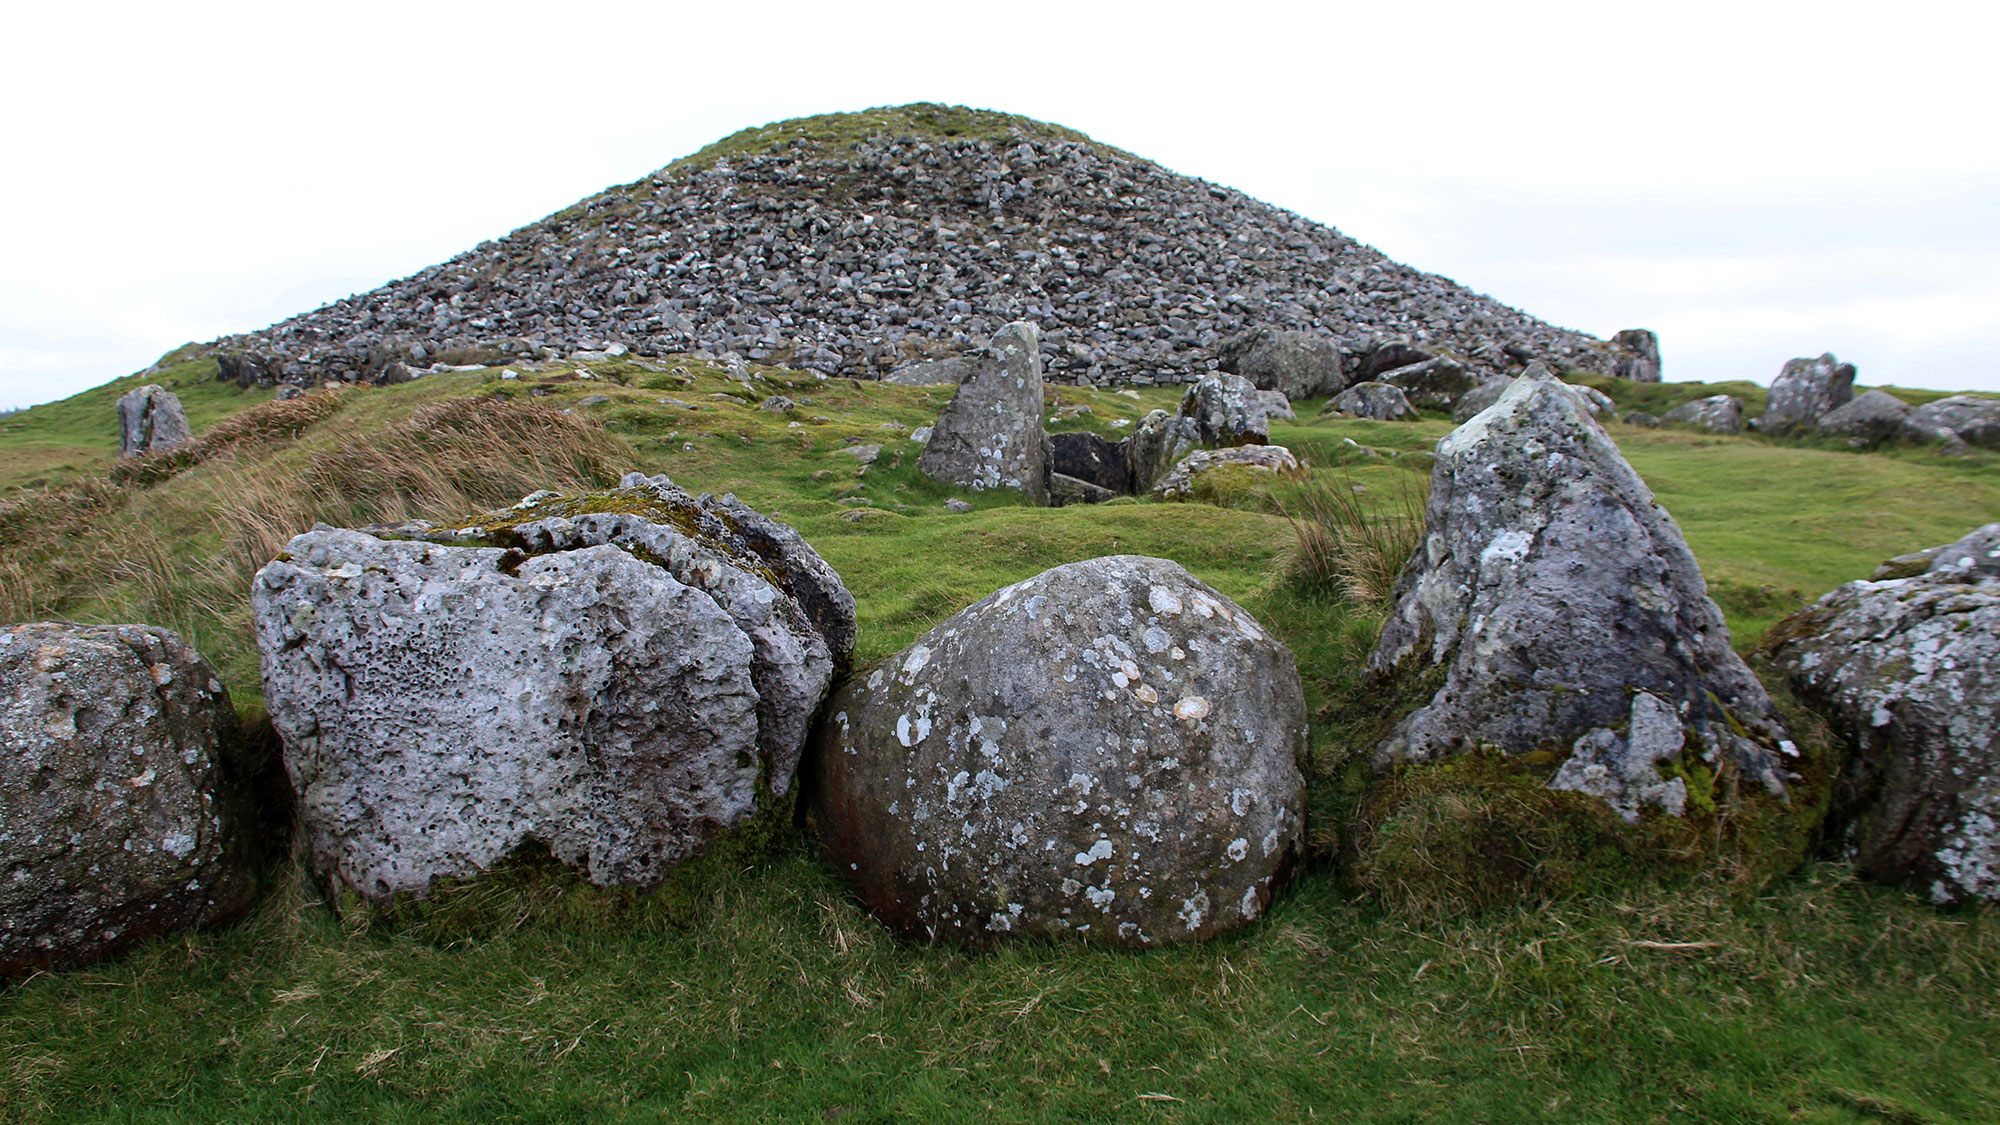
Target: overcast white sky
{"type": "Point", "coordinates": [1752, 180]}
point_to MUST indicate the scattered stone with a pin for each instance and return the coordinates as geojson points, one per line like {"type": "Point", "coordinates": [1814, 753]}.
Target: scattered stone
{"type": "Point", "coordinates": [1906, 668]}
{"type": "Point", "coordinates": [954, 504]}
{"type": "Point", "coordinates": [1434, 384]}
{"type": "Point", "coordinates": [1388, 357]}
{"type": "Point", "coordinates": [1804, 391]}
{"type": "Point", "coordinates": [934, 372]}
{"type": "Point", "coordinates": [1637, 352]}
{"type": "Point", "coordinates": [150, 419]}
{"type": "Point", "coordinates": [1090, 458]}
{"type": "Point", "coordinates": [1107, 751]}
{"type": "Point", "coordinates": [640, 662]}
{"type": "Point", "coordinates": [1870, 418]}
{"type": "Point", "coordinates": [1964, 418]}
{"type": "Point", "coordinates": [1226, 410]}
{"type": "Point", "coordinates": [1641, 418]}
{"type": "Point", "coordinates": [1595, 401]}
{"type": "Point", "coordinates": [1718, 414]}
{"type": "Point", "coordinates": [866, 454]}
{"type": "Point", "coordinates": [991, 435]}
{"type": "Point", "coordinates": [1380, 401]}
{"type": "Point", "coordinates": [394, 373]}
{"type": "Point", "coordinates": [921, 434]}
{"type": "Point", "coordinates": [777, 404]}
{"type": "Point", "coordinates": [124, 801]}
{"type": "Point", "coordinates": [1276, 405]}
{"type": "Point", "coordinates": [1294, 364]}
{"type": "Point", "coordinates": [1478, 398]}
{"type": "Point", "coordinates": [593, 400]}
{"type": "Point", "coordinates": [1179, 484]}
{"type": "Point", "coordinates": [1551, 593]}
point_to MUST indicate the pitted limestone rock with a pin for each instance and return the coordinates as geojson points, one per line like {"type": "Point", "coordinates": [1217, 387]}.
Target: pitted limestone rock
{"type": "Point", "coordinates": [611, 678]}
{"type": "Point", "coordinates": [991, 435]}
{"type": "Point", "coordinates": [1226, 410]}
{"type": "Point", "coordinates": [1295, 364]}
{"type": "Point", "coordinates": [1108, 750]}
{"type": "Point", "coordinates": [1718, 414]}
{"type": "Point", "coordinates": [1551, 594]}
{"type": "Point", "coordinates": [1906, 667]}
{"type": "Point", "coordinates": [1870, 418]}
{"type": "Point", "coordinates": [150, 419]}
{"type": "Point", "coordinates": [1275, 460]}
{"type": "Point", "coordinates": [1960, 418]}
{"type": "Point", "coordinates": [123, 805]}
{"type": "Point", "coordinates": [1380, 401]}
{"type": "Point", "coordinates": [1805, 391]}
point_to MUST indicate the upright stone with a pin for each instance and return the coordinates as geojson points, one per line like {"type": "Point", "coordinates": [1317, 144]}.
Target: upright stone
{"type": "Point", "coordinates": [1227, 410]}
{"type": "Point", "coordinates": [991, 435]}
{"type": "Point", "coordinates": [1560, 611]}
{"type": "Point", "coordinates": [1803, 392]}
{"type": "Point", "coordinates": [1638, 355]}
{"type": "Point", "coordinates": [1157, 444]}
{"type": "Point", "coordinates": [150, 419]}
{"type": "Point", "coordinates": [124, 804]}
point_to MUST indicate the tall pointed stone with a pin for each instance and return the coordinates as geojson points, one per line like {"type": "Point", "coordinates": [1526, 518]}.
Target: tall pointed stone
{"type": "Point", "coordinates": [991, 435]}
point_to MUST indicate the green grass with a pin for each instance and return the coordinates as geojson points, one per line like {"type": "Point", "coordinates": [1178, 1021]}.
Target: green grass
{"type": "Point", "coordinates": [762, 992]}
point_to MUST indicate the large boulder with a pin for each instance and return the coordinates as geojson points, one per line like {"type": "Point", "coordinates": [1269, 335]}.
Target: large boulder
{"type": "Point", "coordinates": [1271, 460]}
{"type": "Point", "coordinates": [1434, 384]}
{"type": "Point", "coordinates": [1637, 352]}
{"type": "Point", "coordinates": [1387, 357]}
{"type": "Point", "coordinates": [1296, 364]}
{"type": "Point", "coordinates": [1906, 668]}
{"type": "Point", "coordinates": [1966, 418]}
{"type": "Point", "coordinates": [1227, 410]}
{"type": "Point", "coordinates": [1107, 750]}
{"type": "Point", "coordinates": [1480, 397]}
{"type": "Point", "coordinates": [1380, 401]}
{"type": "Point", "coordinates": [1157, 444]}
{"type": "Point", "coordinates": [614, 676]}
{"type": "Point", "coordinates": [1559, 612]}
{"type": "Point", "coordinates": [1088, 457]}
{"type": "Point", "coordinates": [991, 435]}
{"type": "Point", "coordinates": [1718, 414]}
{"type": "Point", "coordinates": [124, 804]}
{"type": "Point", "coordinates": [1870, 418]}
{"type": "Point", "coordinates": [150, 419]}
{"type": "Point", "coordinates": [934, 372]}
{"type": "Point", "coordinates": [1804, 391]}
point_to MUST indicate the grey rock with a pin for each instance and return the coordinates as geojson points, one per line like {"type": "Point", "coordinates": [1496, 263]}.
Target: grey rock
{"type": "Point", "coordinates": [1388, 357]}
{"type": "Point", "coordinates": [1226, 410]}
{"type": "Point", "coordinates": [1088, 457]}
{"type": "Point", "coordinates": [1595, 401]}
{"type": "Point", "coordinates": [1964, 418]}
{"type": "Point", "coordinates": [287, 391]}
{"type": "Point", "coordinates": [124, 803]}
{"type": "Point", "coordinates": [1434, 384]}
{"type": "Point", "coordinates": [593, 400]}
{"type": "Point", "coordinates": [1065, 490]}
{"type": "Point", "coordinates": [150, 420]}
{"type": "Point", "coordinates": [1276, 405]}
{"type": "Point", "coordinates": [1179, 484]}
{"type": "Point", "coordinates": [1380, 401]}
{"type": "Point", "coordinates": [1549, 591]}
{"type": "Point", "coordinates": [1637, 352]}
{"type": "Point", "coordinates": [1805, 390]}
{"type": "Point", "coordinates": [1295, 364]}
{"type": "Point", "coordinates": [1480, 397]}
{"type": "Point", "coordinates": [610, 684]}
{"type": "Point", "coordinates": [921, 434]}
{"type": "Point", "coordinates": [934, 372]}
{"type": "Point", "coordinates": [777, 404]}
{"type": "Point", "coordinates": [1107, 751]}
{"type": "Point", "coordinates": [1157, 444]}
{"type": "Point", "coordinates": [865, 453]}
{"type": "Point", "coordinates": [1906, 668]}
{"type": "Point", "coordinates": [991, 435]}
{"type": "Point", "coordinates": [395, 373]}
{"type": "Point", "coordinates": [1870, 418]}
{"type": "Point", "coordinates": [1718, 414]}
{"type": "Point", "coordinates": [956, 505]}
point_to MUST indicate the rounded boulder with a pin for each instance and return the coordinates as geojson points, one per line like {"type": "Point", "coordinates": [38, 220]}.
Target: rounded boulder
{"type": "Point", "coordinates": [1108, 750]}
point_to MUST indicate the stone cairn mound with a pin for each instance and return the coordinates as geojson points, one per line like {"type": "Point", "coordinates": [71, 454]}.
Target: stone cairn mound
{"type": "Point", "coordinates": [857, 258]}
{"type": "Point", "coordinates": [612, 676]}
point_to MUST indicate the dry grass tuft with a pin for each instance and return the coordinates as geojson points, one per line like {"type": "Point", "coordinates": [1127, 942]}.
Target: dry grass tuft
{"type": "Point", "coordinates": [1344, 546]}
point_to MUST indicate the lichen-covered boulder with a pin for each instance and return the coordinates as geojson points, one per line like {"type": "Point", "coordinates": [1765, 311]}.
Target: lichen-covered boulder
{"type": "Point", "coordinates": [1380, 401]}
{"type": "Point", "coordinates": [1638, 355]}
{"type": "Point", "coordinates": [1296, 364]}
{"type": "Point", "coordinates": [150, 419]}
{"type": "Point", "coordinates": [124, 803]}
{"type": "Point", "coordinates": [1870, 418]}
{"type": "Point", "coordinates": [991, 433]}
{"type": "Point", "coordinates": [1906, 668]}
{"type": "Point", "coordinates": [1559, 612]}
{"type": "Point", "coordinates": [1965, 418]}
{"type": "Point", "coordinates": [1107, 750]}
{"type": "Point", "coordinates": [615, 677]}
{"type": "Point", "coordinates": [1718, 414]}
{"type": "Point", "coordinates": [1273, 460]}
{"type": "Point", "coordinates": [1805, 391]}
{"type": "Point", "coordinates": [1226, 410]}
{"type": "Point", "coordinates": [1157, 444]}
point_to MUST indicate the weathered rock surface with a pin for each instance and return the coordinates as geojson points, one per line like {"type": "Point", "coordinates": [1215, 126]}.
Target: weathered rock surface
{"type": "Point", "coordinates": [1380, 401]}
{"type": "Point", "coordinates": [1870, 418]}
{"type": "Point", "coordinates": [150, 419]}
{"type": "Point", "coordinates": [991, 435]}
{"type": "Point", "coordinates": [1479, 398]}
{"type": "Point", "coordinates": [1804, 391]}
{"type": "Point", "coordinates": [1596, 402]}
{"type": "Point", "coordinates": [1088, 457]}
{"type": "Point", "coordinates": [1226, 410]}
{"type": "Point", "coordinates": [1718, 414]}
{"type": "Point", "coordinates": [1157, 444]}
{"type": "Point", "coordinates": [934, 372]}
{"type": "Point", "coordinates": [1907, 670]}
{"type": "Point", "coordinates": [1277, 406]}
{"type": "Point", "coordinates": [1107, 750]}
{"type": "Point", "coordinates": [1972, 420]}
{"type": "Point", "coordinates": [1295, 364]}
{"type": "Point", "coordinates": [123, 804]}
{"type": "Point", "coordinates": [609, 676]}
{"type": "Point", "coordinates": [1179, 483]}
{"type": "Point", "coordinates": [903, 245]}
{"type": "Point", "coordinates": [1560, 611]}
{"type": "Point", "coordinates": [1433, 384]}
{"type": "Point", "coordinates": [1638, 355]}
